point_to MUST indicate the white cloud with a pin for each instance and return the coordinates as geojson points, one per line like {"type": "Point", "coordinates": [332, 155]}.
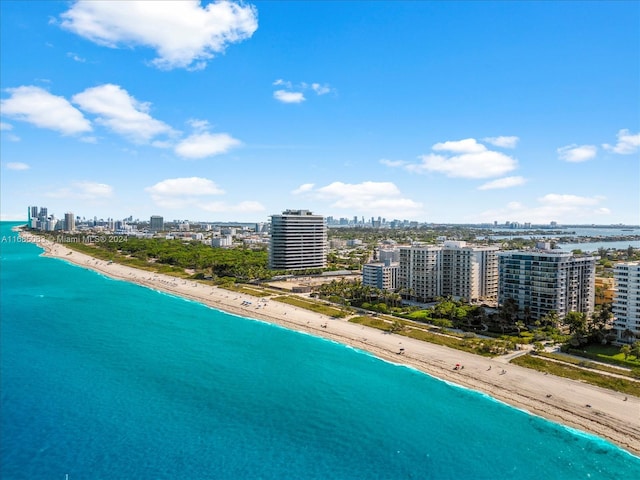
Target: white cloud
{"type": "Point", "coordinates": [562, 208]}
{"type": "Point", "coordinates": [561, 201]}
{"type": "Point", "coordinates": [468, 145]}
{"type": "Point", "coordinates": [38, 107]}
{"type": "Point", "coordinates": [17, 166]}
{"type": "Point", "coordinates": [121, 113]}
{"type": "Point", "coordinates": [577, 153]}
{"type": "Point", "coordinates": [288, 97]}
{"type": "Point", "coordinates": [191, 186]}
{"type": "Point", "coordinates": [470, 159]}
{"type": "Point", "coordinates": [320, 89]}
{"type": "Point", "coordinates": [628, 143]}
{"type": "Point", "coordinates": [193, 192]}
{"type": "Point", "coordinates": [502, 141]}
{"type": "Point", "coordinates": [198, 125]}
{"type": "Point", "coordinates": [374, 198]}
{"type": "Point", "coordinates": [297, 96]}
{"type": "Point", "coordinates": [284, 83]}
{"type": "Point", "coordinates": [393, 163]}
{"type": "Point", "coordinates": [484, 164]}
{"type": "Point", "coordinates": [184, 34]}
{"type": "Point", "coordinates": [506, 182]}
{"type": "Point", "coordinates": [75, 57]}
{"type": "Point", "coordinates": [83, 191]}
{"type": "Point", "coordinates": [7, 127]}
{"type": "Point", "coordinates": [307, 187]}
{"type": "Point", "coordinates": [201, 145]}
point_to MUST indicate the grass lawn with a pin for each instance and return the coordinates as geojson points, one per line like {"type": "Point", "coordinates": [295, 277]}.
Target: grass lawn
{"type": "Point", "coordinates": [621, 385]}
{"type": "Point", "coordinates": [310, 305]}
{"type": "Point", "coordinates": [607, 354]}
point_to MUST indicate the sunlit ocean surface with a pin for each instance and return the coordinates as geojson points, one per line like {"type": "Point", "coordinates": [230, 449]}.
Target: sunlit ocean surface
{"type": "Point", "coordinates": [101, 379]}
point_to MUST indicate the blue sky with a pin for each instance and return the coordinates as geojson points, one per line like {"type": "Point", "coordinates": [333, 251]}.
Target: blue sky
{"type": "Point", "coordinates": [457, 112]}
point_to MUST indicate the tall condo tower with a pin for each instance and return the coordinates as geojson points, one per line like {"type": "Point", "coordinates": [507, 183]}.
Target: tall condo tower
{"type": "Point", "coordinates": [546, 280]}
{"type": "Point", "coordinates": [156, 223]}
{"type": "Point", "coordinates": [626, 302]}
{"type": "Point", "coordinates": [69, 222]}
{"type": "Point", "coordinates": [298, 241]}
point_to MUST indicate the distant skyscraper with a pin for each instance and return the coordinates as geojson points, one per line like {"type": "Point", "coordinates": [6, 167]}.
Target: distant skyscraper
{"type": "Point", "coordinates": [298, 241]}
{"type": "Point", "coordinates": [33, 213]}
{"type": "Point", "coordinates": [69, 222]}
{"type": "Point", "coordinates": [156, 223]}
{"type": "Point", "coordinates": [626, 302]}
{"type": "Point", "coordinates": [547, 280]}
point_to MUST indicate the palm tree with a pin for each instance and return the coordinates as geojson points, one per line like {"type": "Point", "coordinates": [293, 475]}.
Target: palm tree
{"type": "Point", "coordinates": [625, 350]}
{"type": "Point", "coordinates": [552, 319]}
{"type": "Point", "coordinates": [628, 334]}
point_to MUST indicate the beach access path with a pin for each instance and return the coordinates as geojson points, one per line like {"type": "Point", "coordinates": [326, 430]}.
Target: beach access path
{"type": "Point", "coordinates": [603, 412]}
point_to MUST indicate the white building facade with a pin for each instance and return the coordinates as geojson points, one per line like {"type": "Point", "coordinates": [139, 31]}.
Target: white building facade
{"type": "Point", "coordinates": [546, 280]}
{"type": "Point", "coordinates": [469, 272]}
{"type": "Point", "coordinates": [420, 273]}
{"type": "Point", "coordinates": [298, 241]}
{"type": "Point", "coordinates": [454, 269]}
{"type": "Point", "coordinates": [626, 302]}
{"type": "Point", "coordinates": [380, 275]}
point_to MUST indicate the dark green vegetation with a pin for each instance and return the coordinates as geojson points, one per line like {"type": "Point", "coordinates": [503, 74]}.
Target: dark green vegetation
{"type": "Point", "coordinates": [177, 256]}
{"type": "Point", "coordinates": [466, 342]}
{"type": "Point", "coordinates": [446, 313]}
{"type": "Point", "coordinates": [622, 385]}
{"type": "Point", "coordinates": [626, 356]}
{"type": "Point", "coordinates": [632, 370]}
{"type": "Point", "coordinates": [608, 257]}
{"type": "Point", "coordinates": [322, 308]}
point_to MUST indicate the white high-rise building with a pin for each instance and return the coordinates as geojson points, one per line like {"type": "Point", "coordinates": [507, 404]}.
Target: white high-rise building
{"type": "Point", "coordinates": [455, 269]}
{"type": "Point", "coordinates": [469, 272]}
{"type": "Point", "coordinates": [626, 302]}
{"type": "Point", "coordinates": [420, 273]}
{"type": "Point", "coordinates": [298, 241]}
{"type": "Point", "coordinates": [542, 281]}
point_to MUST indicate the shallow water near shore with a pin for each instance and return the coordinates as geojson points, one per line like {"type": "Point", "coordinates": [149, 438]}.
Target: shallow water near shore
{"type": "Point", "coordinates": [106, 379]}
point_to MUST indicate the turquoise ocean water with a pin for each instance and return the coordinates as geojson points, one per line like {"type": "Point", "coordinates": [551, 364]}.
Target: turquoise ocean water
{"type": "Point", "coordinates": [102, 379]}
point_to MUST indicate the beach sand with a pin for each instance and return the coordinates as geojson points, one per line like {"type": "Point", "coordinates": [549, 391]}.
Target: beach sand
{"type": "Point", "coordinates": [599, 411]}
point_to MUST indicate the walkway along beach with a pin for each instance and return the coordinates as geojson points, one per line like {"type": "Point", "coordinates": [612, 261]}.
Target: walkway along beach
{"type": "Point", "coordinates": [605, 413]}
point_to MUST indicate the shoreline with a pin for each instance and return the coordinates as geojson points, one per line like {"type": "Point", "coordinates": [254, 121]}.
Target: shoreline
{"type": "Point", "coordinates": [597, 411]}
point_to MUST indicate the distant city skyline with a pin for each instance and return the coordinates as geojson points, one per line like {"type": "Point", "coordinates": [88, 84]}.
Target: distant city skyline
{"type": "Point", "coordinates": [43, 212]}
{"type": "Point", "coordinates": [434, 112]}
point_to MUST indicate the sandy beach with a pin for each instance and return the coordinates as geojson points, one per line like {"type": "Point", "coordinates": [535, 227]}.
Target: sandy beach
{"type": "Point", "coordinates": [607, 414]}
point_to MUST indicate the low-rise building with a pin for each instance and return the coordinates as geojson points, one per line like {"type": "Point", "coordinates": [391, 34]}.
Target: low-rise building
{"type": "Point", "coordinates": [382, 275]}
